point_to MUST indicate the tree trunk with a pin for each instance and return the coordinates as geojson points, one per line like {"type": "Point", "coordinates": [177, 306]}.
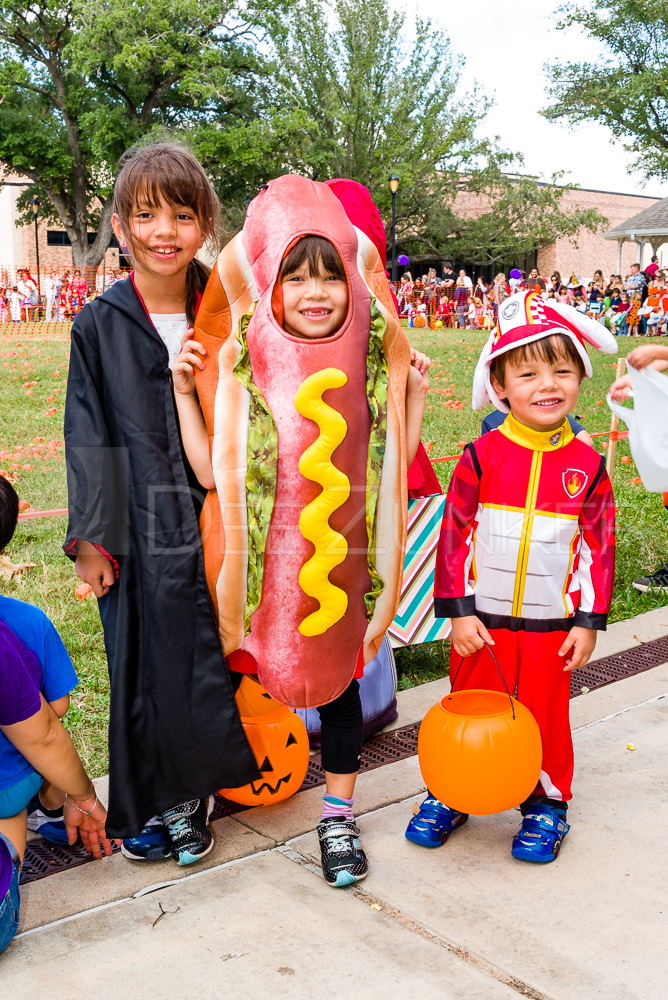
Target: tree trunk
{"type": "Point", "coordinates": [88, 257]}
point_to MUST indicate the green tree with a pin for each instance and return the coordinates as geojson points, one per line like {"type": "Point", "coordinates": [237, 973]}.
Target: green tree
{"type": "Point", "coordinates": [380, 103]}
{"type": "Point", "coordinates": [82, 80]}
{"type": "Point", "coordinates": [626, 88]}
{"type": "Point", "coordinates": [381, 100]}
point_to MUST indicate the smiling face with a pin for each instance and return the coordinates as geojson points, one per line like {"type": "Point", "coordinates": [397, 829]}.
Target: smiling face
{"type": "Point", "coordinates": [163, 238]}
{"type": "Point", "coordinates": [314, 289]}
{"type": "Point", "coordinates": [314, 305]}
{"type": "Point", "coordinates": [541, 388]}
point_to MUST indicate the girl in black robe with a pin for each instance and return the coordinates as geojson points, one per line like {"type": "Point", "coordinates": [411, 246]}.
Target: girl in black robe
{"type": "Point", "coordinates": [174, 732]}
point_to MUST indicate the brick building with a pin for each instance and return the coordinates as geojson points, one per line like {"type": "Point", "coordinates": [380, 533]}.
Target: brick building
{"type": "Point", "coordinates": [586, 253]}
{"type": "Point", "coordinates": [593, 252]}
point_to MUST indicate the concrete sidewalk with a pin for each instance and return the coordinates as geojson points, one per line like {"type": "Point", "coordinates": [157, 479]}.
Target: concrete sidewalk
{"type": "Point", "coordinates": [464, 921]}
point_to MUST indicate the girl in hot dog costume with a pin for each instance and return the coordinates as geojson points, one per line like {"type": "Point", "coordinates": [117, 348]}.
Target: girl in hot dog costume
{"type": "Point", "coordinates": [302, 371]}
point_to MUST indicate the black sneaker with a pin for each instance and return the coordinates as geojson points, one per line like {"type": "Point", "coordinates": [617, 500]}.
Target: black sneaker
{"type": "Point", "coordinates": [343, 860]}
{"type": "Point", "coordinates": [187, 828]}
{"type": "Point", "coordinates": [152, 844]}
{"type": "Point", "coordinates": [657, 581]}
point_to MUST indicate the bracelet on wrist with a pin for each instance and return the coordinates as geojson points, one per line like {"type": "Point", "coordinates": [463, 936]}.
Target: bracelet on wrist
{"type": "Point", "coordinates": [85, 812]}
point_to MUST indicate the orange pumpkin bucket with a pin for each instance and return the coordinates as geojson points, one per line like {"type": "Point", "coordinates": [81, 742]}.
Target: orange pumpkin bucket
{"type": "Point", "coordinates": [279, 741]}
{"type": "Point", "coordinates": [480, 751]}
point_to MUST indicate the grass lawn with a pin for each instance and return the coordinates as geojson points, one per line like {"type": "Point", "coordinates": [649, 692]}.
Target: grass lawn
{"type": "Point", "coordinates": [34, 362]}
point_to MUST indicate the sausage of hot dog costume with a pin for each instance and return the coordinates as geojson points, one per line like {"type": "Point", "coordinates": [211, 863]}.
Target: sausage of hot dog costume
{"type": "Point", "coordinates": [304, 536]}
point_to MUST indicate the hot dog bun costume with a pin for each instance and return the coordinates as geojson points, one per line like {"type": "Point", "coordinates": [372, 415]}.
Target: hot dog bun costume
{"type": "Point", "coordinates": [305, 534]}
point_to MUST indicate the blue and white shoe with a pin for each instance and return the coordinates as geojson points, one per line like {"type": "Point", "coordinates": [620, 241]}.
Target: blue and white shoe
{"type": "Point", "coordinates": [187, 828]}
{"type": "Point", "coordinates": [52, 828]}
{"type": "Point", "coordinates": [152, 844]}
{"type": "Point", "coordinates": [540, 836]}
{"type": "Point", "coordinates": [342, 856]}
{"type": "Point", "coordinates": [433, 823]}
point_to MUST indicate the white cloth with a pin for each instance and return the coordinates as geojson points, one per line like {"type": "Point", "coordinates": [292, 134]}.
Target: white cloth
{"type": "Point", "coordinates": [49, 285]}
{"type": "Point", "coordinates": [171, 327]}
{"type": "Point", "coordinates": [15, 306]}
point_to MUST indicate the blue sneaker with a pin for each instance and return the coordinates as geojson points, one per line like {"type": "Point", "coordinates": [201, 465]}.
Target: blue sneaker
{"type": "Point", "coordinates": [152, 844]}
{"type": "Point", "coordinates": [51, 827]}
{"type": "Point", "coordinates": [433, 823]}
{"type": "Point", "coordinates": [540, 836]}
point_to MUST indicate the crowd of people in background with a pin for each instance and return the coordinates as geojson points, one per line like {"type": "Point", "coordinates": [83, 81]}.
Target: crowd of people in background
{"type": "Point", "coordinates": [631, 305]}
{"type": "Point", "coordinates": [56, 297]}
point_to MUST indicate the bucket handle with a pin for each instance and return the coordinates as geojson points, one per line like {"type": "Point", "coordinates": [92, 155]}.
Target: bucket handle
{"type": "Point", "coordinates": [503, 680]}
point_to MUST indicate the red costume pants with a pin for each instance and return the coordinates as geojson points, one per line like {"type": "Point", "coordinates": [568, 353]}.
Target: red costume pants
{"type": "Point", "coordinates": [532, 669]}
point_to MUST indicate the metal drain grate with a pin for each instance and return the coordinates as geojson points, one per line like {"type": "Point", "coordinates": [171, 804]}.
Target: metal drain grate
{"type": "Point", "coordinates": [598, 673]}
{"type": "Point", "coordinates": [42, 858]}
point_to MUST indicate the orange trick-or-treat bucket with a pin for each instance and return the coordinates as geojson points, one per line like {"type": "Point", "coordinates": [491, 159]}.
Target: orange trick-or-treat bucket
{"type": "Point", "coordinates": [480, 751]}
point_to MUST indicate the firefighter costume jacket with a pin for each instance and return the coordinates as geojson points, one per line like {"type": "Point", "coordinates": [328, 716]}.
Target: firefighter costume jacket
{"type": "Point", "coordinates": [527, 539]}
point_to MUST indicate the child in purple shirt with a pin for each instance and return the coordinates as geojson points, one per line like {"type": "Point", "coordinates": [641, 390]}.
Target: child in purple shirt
{"type": "Point", "coordinates": [36, 753]}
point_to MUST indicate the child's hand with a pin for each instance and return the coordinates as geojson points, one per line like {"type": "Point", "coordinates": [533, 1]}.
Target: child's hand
{"type": "Point", "coordinates": [183, 372]}
{"type": "Point", "coordinates": [640, 357]}
{"type": "Point", "coordinates": [469, 635]}
{"type": "Point", "coordinates": [580, 643]}
{"type": "Point", "coordinates": [94, 569]}
{"type": "Point", "coordinates": [620, 390]}
{"type": "Point", "coordinates": [418, 373]}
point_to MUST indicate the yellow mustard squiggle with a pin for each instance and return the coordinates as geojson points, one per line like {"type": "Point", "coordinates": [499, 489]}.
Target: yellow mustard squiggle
{"type": "Point", "coordinates": [331, 547]}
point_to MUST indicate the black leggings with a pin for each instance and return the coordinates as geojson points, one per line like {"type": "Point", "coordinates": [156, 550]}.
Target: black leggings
{"type": "Point", "coordinates": [342, 730]}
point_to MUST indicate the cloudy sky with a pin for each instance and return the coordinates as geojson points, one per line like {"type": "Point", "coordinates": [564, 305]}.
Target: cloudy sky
{"type": "Point", "coordinates": [505, 44]}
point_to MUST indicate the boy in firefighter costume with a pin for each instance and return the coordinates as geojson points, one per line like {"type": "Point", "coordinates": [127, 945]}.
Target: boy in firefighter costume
{"type": "Point", "coordinates": [525, 561]}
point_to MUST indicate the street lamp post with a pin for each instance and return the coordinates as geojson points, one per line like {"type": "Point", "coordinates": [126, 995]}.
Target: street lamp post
{"type": "Point", "coordinates": [393, 181]}
{"type": "Point", "coordinates": [34, 204]}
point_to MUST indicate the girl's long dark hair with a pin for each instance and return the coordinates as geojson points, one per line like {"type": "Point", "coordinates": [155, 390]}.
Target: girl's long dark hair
{"type": "Point", "coordinates": [165, 171]}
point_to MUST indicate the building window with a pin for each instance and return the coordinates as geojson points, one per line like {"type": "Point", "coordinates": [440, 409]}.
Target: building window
{"type": "Point", "coordinates": [59, 238]}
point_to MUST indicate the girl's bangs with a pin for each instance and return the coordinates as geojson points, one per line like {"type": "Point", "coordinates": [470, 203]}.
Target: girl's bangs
{"type": "Point", "coordinates": [162, 184]}
{"type": "Point", "coordinates": [317, 253]}
{"type": "Point", "coordinates": [166, 173]}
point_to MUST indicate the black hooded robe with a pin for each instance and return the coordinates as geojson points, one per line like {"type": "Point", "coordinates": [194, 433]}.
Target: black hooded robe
{"type": "Point", "coordinates": [174, 730]}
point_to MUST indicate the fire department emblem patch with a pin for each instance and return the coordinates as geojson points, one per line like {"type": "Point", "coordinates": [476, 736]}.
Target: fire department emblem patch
{"type": "Point", "coordinates": [510, 308]}
{"type": "Point", "coordinates": [574, 481]}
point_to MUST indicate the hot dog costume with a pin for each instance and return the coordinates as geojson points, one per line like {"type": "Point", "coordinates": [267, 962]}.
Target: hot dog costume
{"type": "Point", "coordinates": [304, 535]}
{"type": "Point", "coordinates": [527, 542]}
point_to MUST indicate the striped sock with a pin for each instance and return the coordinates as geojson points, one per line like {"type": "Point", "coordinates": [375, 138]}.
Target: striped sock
{"type": "Point", "coordinates": [332, 805]}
